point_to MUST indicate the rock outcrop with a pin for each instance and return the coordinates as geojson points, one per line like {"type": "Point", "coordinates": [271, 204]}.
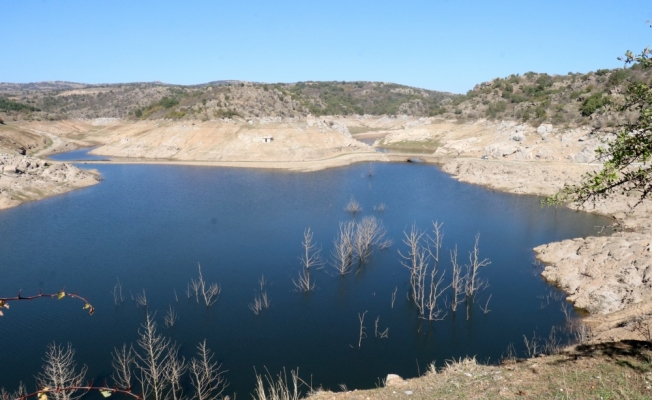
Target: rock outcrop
{"type": "Point", "coordinates": [24, 178]}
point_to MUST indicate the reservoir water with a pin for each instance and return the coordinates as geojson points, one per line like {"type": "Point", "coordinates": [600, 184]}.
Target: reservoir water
{"type": "Point", "coordinates": [149, 226]}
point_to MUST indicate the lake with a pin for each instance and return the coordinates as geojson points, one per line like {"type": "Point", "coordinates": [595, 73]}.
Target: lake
{"type": "Point", "coordinates": [149, 226]}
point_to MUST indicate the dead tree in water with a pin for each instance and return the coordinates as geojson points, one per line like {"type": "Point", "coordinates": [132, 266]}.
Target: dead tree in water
{"type": "Point", "coordinates": [458, 283]}
{"type": "Point", "coordinates": [473, 284]}
{"type": "Point", "coordinates": [60, 371]}
{"type": "Point", "coordinates": [368, 234]}
{"type": "Point", "coordinates": [309, 260]}
{"type": "Point", "coordinates": [353, 207]}
{"type": "Point", "coordinates": [363, 329]}
{"type": "Point", "coordinates": [209, 293]}
{"type": "Point", "coordinates": [205, 375]}
{"type": "Point", "coordinates": [342, 255]}
{"type": "Point", "coordinates": [436, 280]}
{"type": "Point", "coordinates": [418, 260]}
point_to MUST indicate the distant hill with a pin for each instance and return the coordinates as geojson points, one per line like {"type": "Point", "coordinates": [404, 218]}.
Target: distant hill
{"type": "Point", "coordinates": [155, 100]}
{"type": "Point", "coordinates": [567, 100]}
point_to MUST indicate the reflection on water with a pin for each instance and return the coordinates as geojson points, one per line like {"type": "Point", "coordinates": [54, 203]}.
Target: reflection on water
{"type": "Point", "coordinates": [150, 226]}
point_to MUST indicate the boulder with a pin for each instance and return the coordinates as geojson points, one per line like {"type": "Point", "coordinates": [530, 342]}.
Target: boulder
{"type": "Point", "coordinates": [394, 380]}
{"type": "Point", "coordinates": [585, 156]}
{"type": "Point", "coordinates": [544, 128]}
{"type": "Point", "coordinates": [518, 136]}
{"type": "Point", "coordinates": [501, 149]}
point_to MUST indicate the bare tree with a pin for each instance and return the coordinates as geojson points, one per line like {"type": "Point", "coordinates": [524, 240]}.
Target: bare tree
{"type": "Point", "coordinates": [153, 361]}
{"type": "Point", "coordinates": [260, 303]}
{"type": "Point", "coordinates": [141, 299]}
{"type": "Point", "coordinates": [304, 282]}
{"type": "Point", "coordinates": [486, 309]}
{"type": "Point", "coordinates": [362, 333]}
{"type": "Point", "coordinates": [310, 259]}
{"type": "Point", "coordinates": [174, 369]}
{"type": "Point", "coordinates": [123, 362]}
{"type": "Point", "coordinates": [20, 393]}
{"type": "Point", "coordinates": [381, 334]}
{"type": "Point", "coordinates": [436, 288]}
{"type": "Point", "coordinates": [368, 233]}
{"type": "Point", "coordinates": [353, 207]}
{"type": "Point", "coordinates": [311, 256]}
{"type": "Point", "coordinates": [205, 375]}
{"type": "Point", "coordinates": [458, 283]}
{"type": "Point", "coordinates": [117, 294]}
{"type": "Point", "coordinates": [159, 370]}
{"type": "Point", "coordinates": [394, 296]}
{"type": "Point", "coordinates": [532, 345]}
{"type": "Point", "coordinates": [422, 260]}
{"type": "Point", "coordinates": [411, 259]}
{"type": "Point", "coordinates": [342, 255]}
{"type": "Point", "coordinates": [208, 292]}
{"type": "Point", "coordinates": [171, 317]}
{"type": "Point", "coordinates": [279, 388]}
{"type": "Point", "coordinates": [60, 371]}
{"type": "Point", "coordinates": [473, 284]}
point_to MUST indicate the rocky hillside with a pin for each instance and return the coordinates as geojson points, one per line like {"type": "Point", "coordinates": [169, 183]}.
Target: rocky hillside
{"type": "Point", "coordinates": [563, 100]}
{"type": "Point", "coordinates": [220, 99]}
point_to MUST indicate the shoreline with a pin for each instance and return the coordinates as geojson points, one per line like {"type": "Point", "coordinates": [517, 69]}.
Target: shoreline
{"type": "Point", "coordinates": [304, 166]}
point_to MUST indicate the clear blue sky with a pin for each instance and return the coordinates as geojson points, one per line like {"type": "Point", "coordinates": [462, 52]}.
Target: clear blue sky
{"type": "Point", "coordinates": [447, 45]}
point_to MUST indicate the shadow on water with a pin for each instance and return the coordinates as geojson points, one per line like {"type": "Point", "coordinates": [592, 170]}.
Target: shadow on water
{"type": "Point", "coordinates": [150, 226]}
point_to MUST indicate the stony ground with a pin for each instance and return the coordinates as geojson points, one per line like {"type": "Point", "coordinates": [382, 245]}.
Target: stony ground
{"type": "Point", "coordinates": [605, 371]}
{"type": "Point", "coordinates": [24, 178]}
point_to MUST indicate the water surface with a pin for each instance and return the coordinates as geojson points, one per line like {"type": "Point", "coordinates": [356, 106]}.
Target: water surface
{"type": "Point", "coordinates": [150, 225]}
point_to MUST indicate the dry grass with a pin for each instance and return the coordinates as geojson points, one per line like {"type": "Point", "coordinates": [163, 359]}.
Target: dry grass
{"type": "Point", "coordinates": [607, 371]}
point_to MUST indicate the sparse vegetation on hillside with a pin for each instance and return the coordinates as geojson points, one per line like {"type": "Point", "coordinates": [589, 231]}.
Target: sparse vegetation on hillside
{"type": "Point", "coordinates": [226, 99]}
{"type": "Point", "coordinates": [8, 105]}
{"type": "Point", "coordinates": [534, 98]}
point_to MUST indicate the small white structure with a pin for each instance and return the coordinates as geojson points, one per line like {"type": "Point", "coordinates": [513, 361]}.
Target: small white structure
{"type": "Point", "coordinates": [267, 139]}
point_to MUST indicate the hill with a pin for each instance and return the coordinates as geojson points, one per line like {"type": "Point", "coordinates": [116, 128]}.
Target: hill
{"type": "Point", "coordinates": [564, 100]}
{"type": "Point", "coordinates": [219, 99]}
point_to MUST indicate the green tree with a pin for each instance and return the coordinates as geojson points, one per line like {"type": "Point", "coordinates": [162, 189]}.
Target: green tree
{"type": "Point", "coordinates": [626, 167]}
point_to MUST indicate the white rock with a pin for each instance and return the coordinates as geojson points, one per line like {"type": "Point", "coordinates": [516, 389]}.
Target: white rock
{"type": "Point", "coordinates": [394, 380]}
{"type": "Point", "coordinates": [544, 128]}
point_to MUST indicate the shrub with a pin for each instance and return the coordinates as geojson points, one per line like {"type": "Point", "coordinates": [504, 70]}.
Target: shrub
{"type": "Point", "coordinates": [9, 105]}
{"type": "Point", "coordinates": [174, 114]}
{"type": "Point", "coordinates": [225, 113]}
{"type": "Point", "coordinates": [514, 79]}
{"type": "Point", "coordinates": [168, 102]}
{"type": "Point", "coordinates": [495, 108]}
{"type": "Point", "coordinates": [617, 77]}
{"type": "Point", "coordinates": [138, 113]}
{"type": "Point", "coordinates": [592, 103]}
